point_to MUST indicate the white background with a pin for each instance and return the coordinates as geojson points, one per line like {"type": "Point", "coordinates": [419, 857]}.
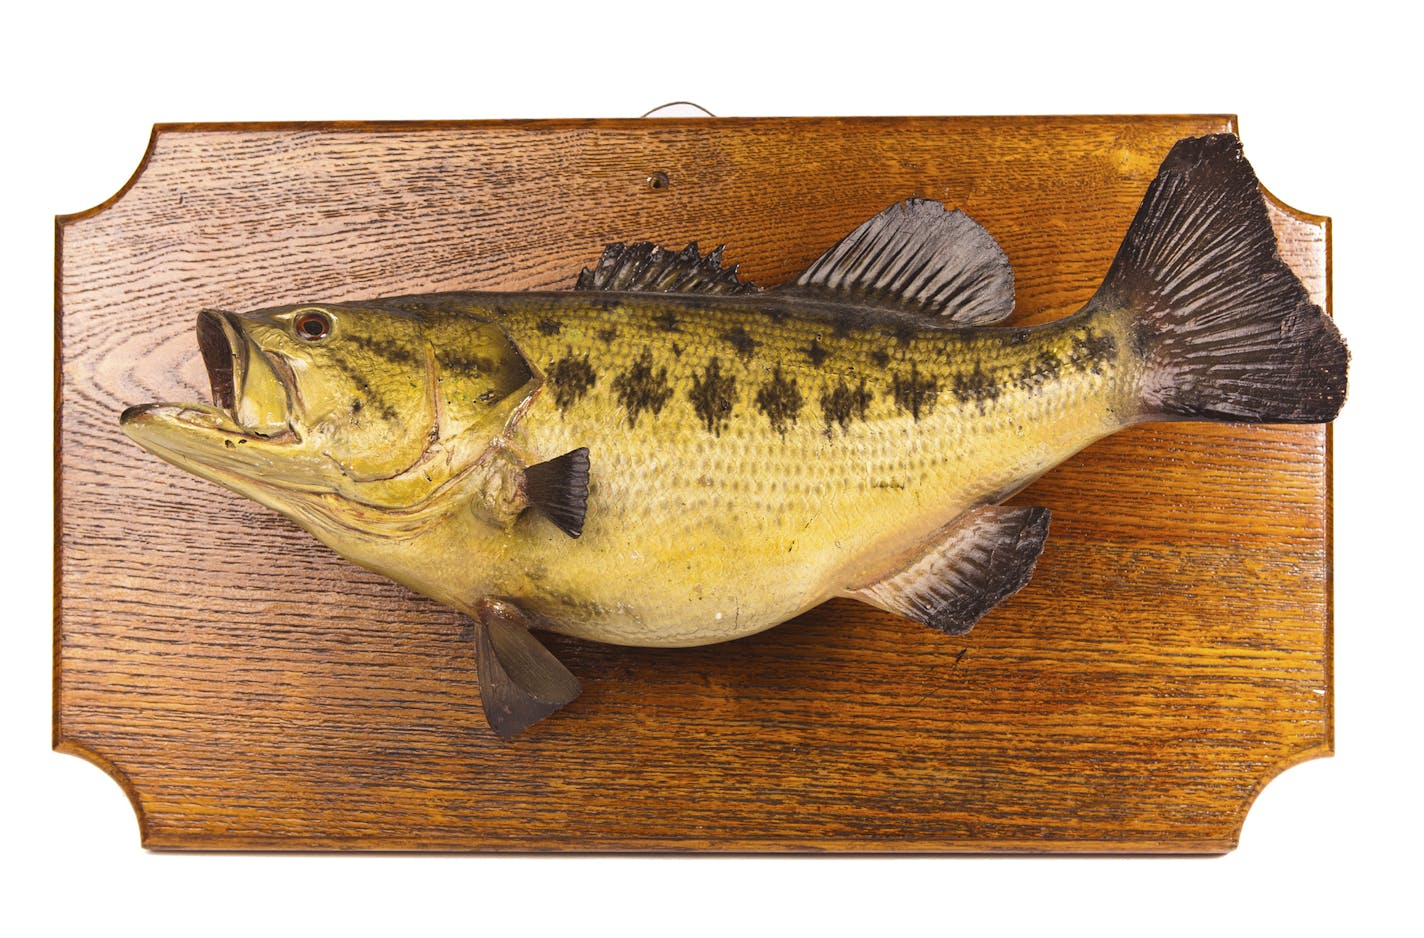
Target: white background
{"type": "Point", "coordinates": [1328, 103]}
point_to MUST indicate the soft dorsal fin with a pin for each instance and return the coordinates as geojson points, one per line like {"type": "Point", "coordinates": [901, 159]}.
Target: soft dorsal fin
{"type": "Point", "coordinates": [917, 256]}
{"type": "Point", "coordinates": [980, 559]}
{"type": "Point", "coordinates": [646, 268]}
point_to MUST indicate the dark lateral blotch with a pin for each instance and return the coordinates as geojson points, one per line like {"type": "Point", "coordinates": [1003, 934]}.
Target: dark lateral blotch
{"type": "Point", "coordinates": [712, 396]}
{"type": "Point", "coordinates": [1094, 349]}
{"type": "Point", "coordinates": [570, 378]}
{"type": "Point", "coordinates": [642, 388]}
{"type": "Point", "coordinates": [841, 404]}
{"type": "Point", "coordinates": [976, 387]}
{"type": "Point", "coordinates": [816, 353]}
{"type": "Point", "coordinates": [780, 400]}
{"type": "Point", "coordinates": [385, 348]}
{"type": "Point", "coordinates": [741, 341]}
{"type": "Point", "coordinates": [914, 393]}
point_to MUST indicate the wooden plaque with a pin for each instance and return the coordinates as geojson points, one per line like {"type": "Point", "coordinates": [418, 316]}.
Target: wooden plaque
{"type": "Point", "coordinates": [251, 690]}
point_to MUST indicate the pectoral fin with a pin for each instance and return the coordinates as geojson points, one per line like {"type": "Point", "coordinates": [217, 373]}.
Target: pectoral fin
{"type": "Point", "coordinates": [983, 557]}
{"type": "Point", "coordinates": [558, 489]}
{"type": "Point", "coordinates": [521, 682]}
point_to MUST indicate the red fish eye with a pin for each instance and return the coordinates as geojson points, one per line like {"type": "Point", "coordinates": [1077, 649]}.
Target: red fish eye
{"type": "Point", "coordinates": [313, 326]}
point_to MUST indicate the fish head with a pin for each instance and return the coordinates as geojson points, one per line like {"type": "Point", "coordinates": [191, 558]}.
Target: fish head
{"type": "Point", "coordinates": [341, 412]}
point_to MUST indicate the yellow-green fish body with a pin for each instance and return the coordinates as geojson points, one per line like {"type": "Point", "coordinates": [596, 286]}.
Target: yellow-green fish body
{"type": "Point", "coordinates": [751, 460]}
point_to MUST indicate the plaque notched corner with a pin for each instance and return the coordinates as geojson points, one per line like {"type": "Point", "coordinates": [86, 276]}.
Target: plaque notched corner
{"type": "Point", "coordinates": [62, 221]}
{"type": "Point", "coordinates": [1290, 222]}
{"type": "Point", "coordinates": [1322, 750]}
{"type": "Point", "coordinates": [73, 747]}
{"type": "Point", "coordinates": [1296, 215]}
{"type": "Point", "coordinates": [1286, 219]}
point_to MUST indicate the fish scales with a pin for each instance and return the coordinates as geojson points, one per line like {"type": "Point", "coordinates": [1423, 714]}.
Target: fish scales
{"type": "Point", "coordinates": [667, 455]}
{"type": "Point", "coordinates": [843, 502]}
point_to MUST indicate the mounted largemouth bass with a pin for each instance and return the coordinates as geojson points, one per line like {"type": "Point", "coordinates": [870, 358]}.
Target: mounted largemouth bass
{"type": "Point", "coordinates": [667, 455]}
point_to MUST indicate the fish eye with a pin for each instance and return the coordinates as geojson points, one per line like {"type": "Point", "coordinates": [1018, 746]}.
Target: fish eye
{"type": "Point", "coordinates": [312, 326]}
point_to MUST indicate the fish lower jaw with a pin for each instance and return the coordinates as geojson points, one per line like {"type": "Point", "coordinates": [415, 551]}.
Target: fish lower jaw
{"type": "Point", "coordinates": [144, 420]}
{"type": "Point", "coordinates": [254, 423]}
{"type": "Point", "coordinates": [208, 442]}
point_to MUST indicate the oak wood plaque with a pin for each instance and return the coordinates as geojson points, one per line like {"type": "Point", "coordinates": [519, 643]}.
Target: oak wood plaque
{"type": "Point", "coordinates": [251, 690]}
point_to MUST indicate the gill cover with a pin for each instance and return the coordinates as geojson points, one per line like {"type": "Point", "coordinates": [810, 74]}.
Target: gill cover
{"type": "Point", "coordinates": [359, 388]}
{"type": "Point", "coordinates": [381, 393]}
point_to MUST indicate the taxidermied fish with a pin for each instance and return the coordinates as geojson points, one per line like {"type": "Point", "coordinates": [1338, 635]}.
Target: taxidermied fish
{"type": "Point", "coordinates": [667, 456]}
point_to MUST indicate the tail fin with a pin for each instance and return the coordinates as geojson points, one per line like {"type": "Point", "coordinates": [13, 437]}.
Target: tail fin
{"type": "Point", "coordinates": [1226, 330]}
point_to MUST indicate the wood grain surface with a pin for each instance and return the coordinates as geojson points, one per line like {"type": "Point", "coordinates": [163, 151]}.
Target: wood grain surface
{"type": "Point", "coordinates": [251, 690]}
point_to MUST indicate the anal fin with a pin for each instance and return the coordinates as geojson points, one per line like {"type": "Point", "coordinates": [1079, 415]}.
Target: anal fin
{"type": "Point", "coordinates": [521, 682]}
{"type": "Point", "coordinates": [976, 562]}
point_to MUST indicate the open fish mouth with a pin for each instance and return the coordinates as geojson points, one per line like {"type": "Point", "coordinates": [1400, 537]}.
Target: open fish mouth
{"type": "Point", "coordinates": [218, 343]}
{"type": "Point", "coordinates": [251, 401]}
{"type": "Point", "coordinates": [245, 381]}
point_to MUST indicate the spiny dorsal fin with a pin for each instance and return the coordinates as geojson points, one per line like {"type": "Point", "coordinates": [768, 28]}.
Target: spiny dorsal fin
{"type": "Point", "coordinates": [982, 558]}
{"type": "Point", "coordinates": [558, 489]}
{"type": "Point", "coordinates": [646, 268]}
{"type": "Point", "coordinates": [917, 256]}
{"type": "Point", "coordinates": [521, 682]}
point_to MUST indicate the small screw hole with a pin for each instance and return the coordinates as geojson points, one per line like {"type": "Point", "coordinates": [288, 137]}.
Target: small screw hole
{"type": "Point", "coordinates": [659, 180]}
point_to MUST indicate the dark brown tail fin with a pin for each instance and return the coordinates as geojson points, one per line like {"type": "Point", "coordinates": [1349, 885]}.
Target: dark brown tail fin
{"type": "Point", "coordinates": [1225, 328]}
